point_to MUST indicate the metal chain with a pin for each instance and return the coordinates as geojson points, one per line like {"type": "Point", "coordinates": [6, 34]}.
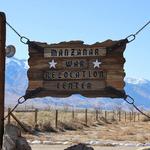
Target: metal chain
{"type": "Point", "coordinates": [24, 98]}
{"type": "Point", "coordinates": [132, 102]}
{"type": "Point", "coordinates": [12, 110]}
{"type": "Point", "coordinates": [132, 37]}
{"type": "Point", "coordinates": [126, 98]}
{"type": "Point", "coordinates": [129, 38]}
{"type": "Point", "coordinates": [23, 39]}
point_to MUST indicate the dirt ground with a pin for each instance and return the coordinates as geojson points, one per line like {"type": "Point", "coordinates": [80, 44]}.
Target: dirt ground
{"type": "Point", "coordinates": [62, 147]}
{"type": "Point", "coordinates": [134, 132]}
{"type": "Point", "coordinates": [116, 136]}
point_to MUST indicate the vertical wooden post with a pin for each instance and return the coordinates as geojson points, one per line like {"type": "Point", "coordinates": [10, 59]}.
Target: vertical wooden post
{"type": "Point", "coordinates": [125, 116]}
{"type": "Point", "coordinates": [134, 116]}
{"type": "Point", "coordinates": [73, 114]}
{"type": "Point", "coordinates": [105, 115]}
{"type": "Point", "coordinates": [56, 119]}
{"type": "Point", "coordinates": [113, 113]}
{"type": "Point", "coordinates": [36, 115]}
{"type": "Point", "coordinates": [2, 72]}
{"type": "Point", "coordinates": [130, 116]}
{"type": "Point", "coordinates": [86, 117]}
{"type": "Point", "coordinates": [119, 115]}
{"type": "Point", "coordinates": [96, 115]}
{"type": "Point", "coordinates": [138, 117]}
{"type": "Point", "coordinates": [9, 109]}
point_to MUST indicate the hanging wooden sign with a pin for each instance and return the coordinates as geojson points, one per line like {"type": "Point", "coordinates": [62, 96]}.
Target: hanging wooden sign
{"type": "Point", "coordinates": [73, 67]}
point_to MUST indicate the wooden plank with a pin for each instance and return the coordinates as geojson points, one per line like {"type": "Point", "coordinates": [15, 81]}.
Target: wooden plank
{"type": "Point", "coordinates": [51, 75]}
{"type": "Point", "coordinates": [75, 86]}
{"type": "Point", "coordinates": [21, 125]}
{"type": "Point", "coordinates": [116, 84]}
{"type": "Point", "coordinates": [35, 84]}
{"type": "Point", "coordinates": [27, 110]}
{"type": "Point", "coordinates": [74, 52]}
{"type": "Point", "coordinates": [2, 72]}
{"type": "Point", "coordinates": [76, 65]}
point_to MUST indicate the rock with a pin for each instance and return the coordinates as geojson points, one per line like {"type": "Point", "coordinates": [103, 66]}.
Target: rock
{"type": "Point", "coordinates": [47, 142]}
{"type": "Point", "coordinates": [36, 142]}
{"type": "Point", "coordinates": [12, 130]}
{"type": "Point", "coordinates": [144, 148]}
{"type": "Point", "coordinates": [80, 146]}
{"type": "Point", "coordinates": [8, 143]}
{"type": "Point", "coordinates": [12, 139]}
{"type": "Point", "coordinates": [22, 144]}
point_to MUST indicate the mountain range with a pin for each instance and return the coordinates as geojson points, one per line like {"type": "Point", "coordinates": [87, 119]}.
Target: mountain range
{"type": "Point", "coordinates": [16, 83]}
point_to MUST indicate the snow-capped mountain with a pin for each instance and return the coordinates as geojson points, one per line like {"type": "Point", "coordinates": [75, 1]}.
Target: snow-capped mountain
{"type": "Point", "coordinates": [16, 76]}
{"type": "Point", "coordinates": [136, 81]}
{"type": "Point", "coordinates": [16, 84]}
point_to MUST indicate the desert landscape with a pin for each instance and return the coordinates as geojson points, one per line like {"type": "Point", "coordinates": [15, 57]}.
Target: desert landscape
{"type": "Point", "coordinates": [61, 128]}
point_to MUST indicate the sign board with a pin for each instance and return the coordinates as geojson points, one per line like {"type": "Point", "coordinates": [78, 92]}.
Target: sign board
{"type": "Point", "coordinates": [73, 67]}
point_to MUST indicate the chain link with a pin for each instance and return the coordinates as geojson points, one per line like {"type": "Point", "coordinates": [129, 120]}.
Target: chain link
{"type": "Point", "coordinates": [24, 98]}
{"type": "Point", "coordinates": [23, 39]}
{"type": "Point", "coordinates": [132, 37]}
{"type": "Point", "coordinates": [126, 98]}
{"type": "Point", "coordinates": [129, 38]}
{"type": "Point", "coordinates": [131, 101]}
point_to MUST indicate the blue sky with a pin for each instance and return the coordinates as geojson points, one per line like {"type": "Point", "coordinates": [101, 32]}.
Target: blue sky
{"type": "Point", "coordinates": [53, 21]}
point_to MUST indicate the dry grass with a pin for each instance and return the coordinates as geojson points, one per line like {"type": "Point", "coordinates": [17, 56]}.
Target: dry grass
{"type": "Point", "coordinates": [74, 128]}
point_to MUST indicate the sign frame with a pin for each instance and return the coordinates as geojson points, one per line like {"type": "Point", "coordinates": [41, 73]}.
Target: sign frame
{"type": "Point", "coordinates": [52, 59]}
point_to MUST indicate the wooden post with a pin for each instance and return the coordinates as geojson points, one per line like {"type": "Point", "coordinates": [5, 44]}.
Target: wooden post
{"type": "Point", "coordinates": [119, 116]}
{"type": "Point", "coordinates": [134, 116]}
{"type": "Point", "coordinates": [2, 73]}
{"type": "Point", "coordinates": [105, 115]}
{"type": "Point", "coordinates": [96, 115]}
{"type": "Point", "coordinates": [138, 117]}
{"type": "Point", "coordinates": [73, 114]}
{"type": "Point", "coordinates": [125, 116]}
{"type": "Point", "coordinates": [86, 118]}
{"type": "Point", "coordinates": [9, 109]}
{"type": "Point", "coordinates": [19, 122]}
{"type": "Point", "coordinates": [130, 116]}
{"type": "Point", "coordinates": [56, 119]}
{"type": "Point", "coordinates": [36, 115]}
{"type": "Point", "coordinates": [113, 113]}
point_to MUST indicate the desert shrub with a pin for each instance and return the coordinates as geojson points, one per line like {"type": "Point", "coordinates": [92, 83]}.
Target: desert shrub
{"type": "Point", "coordinates": [47, 127]}
{"type": "Point", "coordinates": [67, 126]}
{"type": "Point", "coordinates": [145, 119]}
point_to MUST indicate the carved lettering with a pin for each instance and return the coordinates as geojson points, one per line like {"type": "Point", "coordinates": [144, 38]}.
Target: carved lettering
{"type": "Point", "coordinates": [85, 74]}
{"type": "Point", "coordinates": [84, 52]}
{"type": "Point", "coordinates": [78, 52]}
{"type": "Point", "coordinates": [60, 52]}
{"type": "Point", "coordinates": [66, 52]}
{"type": "Point", "coordinates": [74, 85]}
{"type": "Point", "coordinates": [74, 67]}
{"type": "Point", "coordinates": [75, 63]}
{"type": "Point", "coordinates": [91, 52]}
{"type": "Point", "coordinates": [96, 52]}
{"type": "Point", "coordinates": [71, 52]}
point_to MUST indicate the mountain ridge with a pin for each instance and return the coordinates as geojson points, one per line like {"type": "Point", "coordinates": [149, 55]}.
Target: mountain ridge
{"type": "Point", "coordinates": [17, 82]}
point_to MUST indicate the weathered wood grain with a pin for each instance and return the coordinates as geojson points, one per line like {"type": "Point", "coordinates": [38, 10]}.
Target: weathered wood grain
{"type": "Point", "coordinates": [75, 71]}
{"type": "Point", "coordinates": [74, 86]}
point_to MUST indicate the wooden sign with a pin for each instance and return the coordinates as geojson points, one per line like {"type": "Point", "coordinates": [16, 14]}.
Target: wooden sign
{"type": "Point", "coordinates": [73, 67]}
